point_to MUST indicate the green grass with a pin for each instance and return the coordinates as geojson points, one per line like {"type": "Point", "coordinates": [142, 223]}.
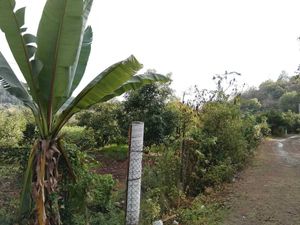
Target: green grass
{"type": "Point", "coordinates": [9, 192]}
{"type": "Point", "coordinates": [201, 213]}
{"type": "Point", "coordinates": [114, 151]}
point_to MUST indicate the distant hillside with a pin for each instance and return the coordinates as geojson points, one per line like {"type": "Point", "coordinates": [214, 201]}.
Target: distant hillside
{"type": "Point", "coordinates": [282, 94]}
{"type": "Point", "coordinates": [7, 99]}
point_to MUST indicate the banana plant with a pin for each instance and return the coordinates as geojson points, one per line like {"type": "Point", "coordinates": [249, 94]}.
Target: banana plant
{"type": "Point", "coordinates": [52, 63]}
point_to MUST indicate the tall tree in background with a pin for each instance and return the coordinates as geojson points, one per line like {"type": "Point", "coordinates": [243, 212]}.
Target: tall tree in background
{"type": "Point", "coordinates": [53, 63]}
{"type": "Point", "coordinates": [148, 104]}
{"type": "Point", "coordinates": [282, 94]}
{"type": "Point", "coordinates": [105, 133]}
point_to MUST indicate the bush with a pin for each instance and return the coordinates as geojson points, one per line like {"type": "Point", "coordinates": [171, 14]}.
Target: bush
{"type": "Point", "coordinates": [12, 125]}
{"type": "Point", "coordinates": [220, 146]}
{"type": "Point", "coordinates": [220, 173]}
{"type": "Point", "coordinates": [89, 198]}
{"type": "Point", "coordinates": [254, 130]}
{"type": "Point", "coordinates": [289, 101]}
{"type": "Point", "coordinates": [160, 185]}
{"type": "Point", "coordinates": [292, 121]}
{"type": "Point", "coordinates": [278, 124]}
{"type": "Point", "coordinates": [80, 136]}
{"type": "Point", "coordinates": [202, 213]}
{"type": "Point", "coordinates": [151, 211]}
{"type": "Point", "coordinates": [102, 119]}
{"type": "Point", "coordinates": [149, 104]}
{"type": "Point", "coordinates": [223, 122]}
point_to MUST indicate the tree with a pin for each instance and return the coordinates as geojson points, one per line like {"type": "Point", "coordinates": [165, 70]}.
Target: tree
{"type": "Point", "coordinates": [289, 101]}
{"type": "Point", "coordinates": [250, 105]}
{"type": "Point", "coordinates": [53, 63]}
{"type": "Point", "coordinates": [276, 121]}
{"type": "Point", "coordinates": [269, 94]}
{"type": "Point", "coordinates": [148, 104]}
{"type": "Point", "coordinates": [250, 93]}
{"type": "Point", "coordinates": [107, 132]}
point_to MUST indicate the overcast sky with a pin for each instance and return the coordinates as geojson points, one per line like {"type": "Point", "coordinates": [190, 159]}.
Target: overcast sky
{"type": "Point", "coordinates": [192, 39]}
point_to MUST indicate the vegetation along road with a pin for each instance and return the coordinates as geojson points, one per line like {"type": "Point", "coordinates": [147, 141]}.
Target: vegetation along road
{"type": "Point", "coordinates": [268, 192]}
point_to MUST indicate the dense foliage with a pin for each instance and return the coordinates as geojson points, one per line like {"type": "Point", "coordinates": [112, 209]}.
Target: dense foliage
{"type": "Point", "coordinates": [278, 101]}
{"type": "Point", "coordinates": [149, 104]}
{"type": "Point", "coordinates": [12, 125]}
{"type": "Point", "coordinates": [102, 120]}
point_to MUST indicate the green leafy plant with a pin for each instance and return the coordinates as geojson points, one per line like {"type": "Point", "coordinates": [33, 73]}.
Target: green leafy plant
{"type": "Point", "coordinates": [105, 133]}
{"type": "Point", "coordinates": [116, 152]}
{"type": "Point", "coordinates": [80, 136]}
{"type": "Point", "coordinates": [149, 104]}
{"type": "Point", "coordinates": [202, 213]}
{"type": "Point", "coordinates": [53, 63]}
{"type": "Point", "coordinates": [12, 125]}
{"type": "Point", "coordinates": [160, 185]}
{"type": "Point", "coordinates": [91, 196]}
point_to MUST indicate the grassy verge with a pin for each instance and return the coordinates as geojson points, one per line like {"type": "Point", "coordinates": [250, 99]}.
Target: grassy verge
{"type": "Point", "coordinates": [203, 211]}
{"type": "Point", "coordinates": [9, 192]}
{"type": "Point", "coordinates": [114, 151]}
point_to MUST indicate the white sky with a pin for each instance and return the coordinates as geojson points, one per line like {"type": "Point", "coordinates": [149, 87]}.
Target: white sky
{"type": "Point", "coordinates": [192, 39]}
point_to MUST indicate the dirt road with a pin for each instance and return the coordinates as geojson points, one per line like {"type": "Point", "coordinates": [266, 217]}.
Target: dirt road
{"type": "Point", "coordinates": [268, 192]}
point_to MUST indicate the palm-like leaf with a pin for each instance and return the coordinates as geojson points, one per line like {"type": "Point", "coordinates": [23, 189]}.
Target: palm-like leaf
{"type": "Point", "coordinates": [78, 68]}
{"type": "Point", "coordinates": [104, 84]}
{"type": "Point", "coordinates": [21, 45]}
{"type": "Point", "coordinates": [135, 83]}
{"type": "Point", "coordinates": [11, 83]}
{"type": "Point", "coordinates": [83, 57]}
{"type": "Point", "coordinates": [58, 38]}
{"type": "Point", "coordinates": [113, 82]}
{"type": "Point", "coordinates": [26, 201]}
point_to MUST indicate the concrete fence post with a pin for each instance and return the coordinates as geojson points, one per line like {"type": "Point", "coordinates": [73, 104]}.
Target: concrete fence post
{"type": "Point", "coordinates": [134, 173]}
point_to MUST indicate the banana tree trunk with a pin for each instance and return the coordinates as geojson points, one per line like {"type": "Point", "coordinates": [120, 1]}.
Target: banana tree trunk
{"type": "Point", "coordinates": [45, 183]}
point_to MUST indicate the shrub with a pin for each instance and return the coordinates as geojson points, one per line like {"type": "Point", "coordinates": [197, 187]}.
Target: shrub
{"type": "Point", "coordinates": [80, 136]}
{"type": "Point", "coordinates": [223, 122]}
{"type": "Point", "coordinates": [160, 185]}
{"type": "Point", "coordinates": [289, 101]}
{"type": "Point", "coordinates": [90, 196]}
{"type": "Point", "coordinates": [220, 173]}
{"type": "Point", "coordinates": [12, 125]}
{"type": "Point", "coordinates": [151, 211]}
{"type": "Point", "coordinates": [220, 146]}
{"type": "Point", "coordinates": [277, 123]}
{"type": "Point", "coordinates": [292, 121]}
{"type": "Point", "coordinates": [254, 130]}
{"type": "Point", "coordinates": [149, 104]}
{"type": "Point", "coordinates": [202, 213]}
{"type": "Point", "coordinates": [102, 119]}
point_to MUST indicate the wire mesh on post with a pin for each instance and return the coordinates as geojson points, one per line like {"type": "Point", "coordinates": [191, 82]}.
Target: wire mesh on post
{"type": "Point", "coordinates": [134, 173]}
